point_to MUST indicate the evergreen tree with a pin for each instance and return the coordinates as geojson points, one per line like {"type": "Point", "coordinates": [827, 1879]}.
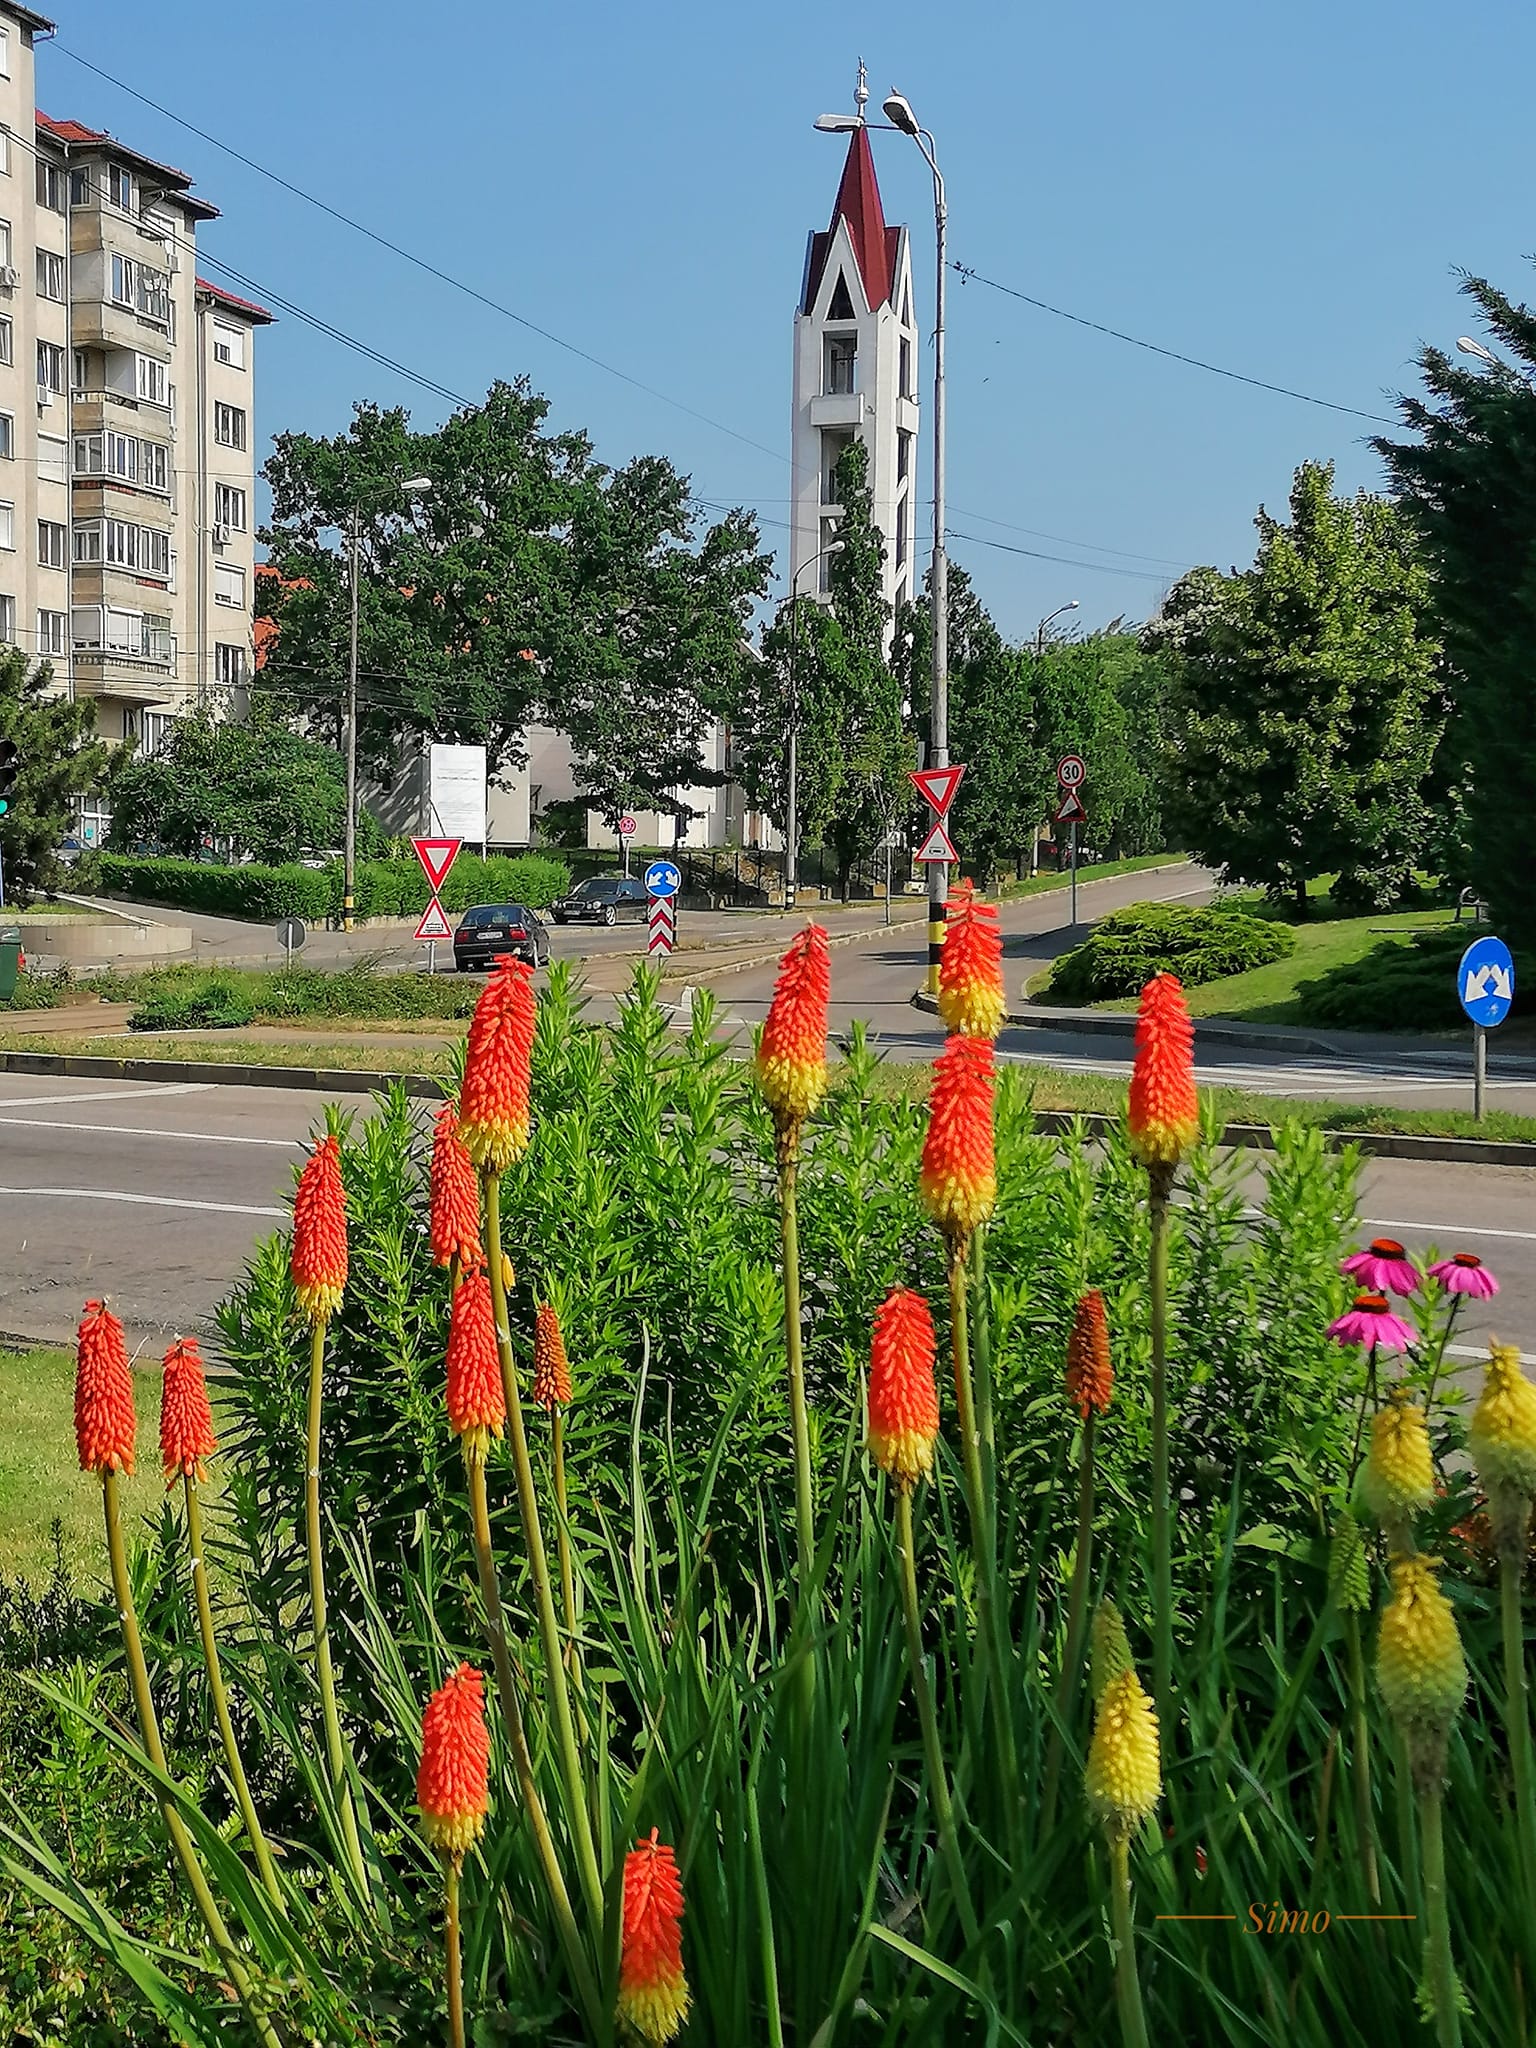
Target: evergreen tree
{"type": "Point", "coordinates": [59, 758]}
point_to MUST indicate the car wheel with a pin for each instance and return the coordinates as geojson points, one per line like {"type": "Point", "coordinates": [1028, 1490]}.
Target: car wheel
{"type": "Point", "coordinates": [610, 915]}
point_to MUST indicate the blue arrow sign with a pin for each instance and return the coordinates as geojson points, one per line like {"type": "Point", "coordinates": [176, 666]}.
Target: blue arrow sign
{"type": "Point", "coordinates": [1485, 982]}
{"type": "Point", "coordinates": [663, 878]}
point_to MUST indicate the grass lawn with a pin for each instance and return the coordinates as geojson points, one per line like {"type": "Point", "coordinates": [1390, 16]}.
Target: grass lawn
{"type": "Point", "coordinates": [1097, 871]}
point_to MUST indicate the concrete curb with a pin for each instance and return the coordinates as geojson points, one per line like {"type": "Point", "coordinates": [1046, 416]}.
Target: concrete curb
{"type": "Point", "coordinates": [426, 1087]}
{"type": "Point", "coordinates": [1122, 1024]}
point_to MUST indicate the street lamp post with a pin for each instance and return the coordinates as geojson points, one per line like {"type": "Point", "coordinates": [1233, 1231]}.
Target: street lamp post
{"type": "Point", "coordinates": [413, 487]}
{"type": "Point", "coordinates": [792, 808]}
{"type": "Point", "coordinates": [1070, 606]}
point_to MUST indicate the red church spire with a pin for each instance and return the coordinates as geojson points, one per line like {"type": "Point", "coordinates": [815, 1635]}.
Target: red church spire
{"type": "Point", "coordinates": [874, 244]}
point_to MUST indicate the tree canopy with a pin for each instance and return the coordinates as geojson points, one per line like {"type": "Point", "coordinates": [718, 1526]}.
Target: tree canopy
{"type": "Point", "coordinates": [59, 758]}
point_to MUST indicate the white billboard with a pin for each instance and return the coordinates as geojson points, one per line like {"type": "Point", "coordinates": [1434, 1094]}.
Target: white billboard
{"type": "Point", "coordinates": [457, 792]}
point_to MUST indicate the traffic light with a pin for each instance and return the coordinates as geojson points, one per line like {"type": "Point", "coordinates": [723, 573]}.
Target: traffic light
{"type": "Point", "coordinates": [10, 768]}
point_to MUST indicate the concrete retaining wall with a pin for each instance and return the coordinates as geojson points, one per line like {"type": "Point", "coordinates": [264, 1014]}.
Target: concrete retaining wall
{"type": "Point", "coordinates": [83, 942]}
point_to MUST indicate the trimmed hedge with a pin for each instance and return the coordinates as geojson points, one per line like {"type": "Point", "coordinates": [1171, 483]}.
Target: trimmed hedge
{"type": "Point", "coordinates": [1126, 949]}
{"type": "Point", "coordinates": [385, 888]}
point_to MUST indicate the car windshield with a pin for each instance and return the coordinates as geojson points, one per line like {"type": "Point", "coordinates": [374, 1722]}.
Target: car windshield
{"type": "Point", "coordinates": [493, 913]}
{"type": "Point", "coordinates": [598, 892]}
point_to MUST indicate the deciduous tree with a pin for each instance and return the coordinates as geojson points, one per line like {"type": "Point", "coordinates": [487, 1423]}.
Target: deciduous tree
{"type": "Point", "coordinates": [59, 758]}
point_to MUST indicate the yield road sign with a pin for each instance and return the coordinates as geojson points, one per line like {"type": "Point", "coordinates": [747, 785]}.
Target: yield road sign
{"type": "Point", "coordinates": [1070, 810]}
{"type": "Point", "coordinates": [663, 878]}
{"type": "Point", "coordinates": [434, 925]}
{"type": "Point", "coordinates": [1485, 982]}
{"type": "Point", "coordinates": [661, 925]}
{"type": "Point", "coordinates": [937, 786]}
{"type": "Point", "coordinates": [437, 856]}
{"type": "Point", "coordinates": [937, 846]}
{"type": "Point", "coordinates": [1071, 771]}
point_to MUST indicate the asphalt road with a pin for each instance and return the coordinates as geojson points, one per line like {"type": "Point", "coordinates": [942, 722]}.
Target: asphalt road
{"type": "Point", "coordinates": [155, 1195]}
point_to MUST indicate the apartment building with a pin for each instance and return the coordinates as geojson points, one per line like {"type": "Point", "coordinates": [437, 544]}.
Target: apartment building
{"type": "Point", "coordinates": [127, 486]}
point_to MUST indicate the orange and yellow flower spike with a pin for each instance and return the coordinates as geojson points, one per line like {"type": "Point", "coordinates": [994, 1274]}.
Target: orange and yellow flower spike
{"type": "Point", "coordinates": [551, 1368]}
{"type": "Point", "coordinates": [792, 1053]}
{"type": "Point", "coordinates": [972, 1001]}
{"type": "Point", "coordinates": [477, 1407]}
{"type": "Point", "coordinates": [318, 1259]}
{"type": "Point", "coordinates": [452, 1784]}
{"type": "Point", "coordinates": [1090, 1378]}
{"type": "Point", "coordinates": [653, 1991]}
{"type": "Point", "coordinates": [494, 1104]}
{"type": "Point", "coordinates": [959, 1171]}
{"type": "Point", "coordinates": [1164, 1113]}
{"type": "Point", "coordinates": [105, 1423]}
{"type": "Point", "coordinates": [455, 1197]}
{"type": "Point", "coordinates": [903, 1392]}
{"type": "Point", "coordinates": [186, 1420]}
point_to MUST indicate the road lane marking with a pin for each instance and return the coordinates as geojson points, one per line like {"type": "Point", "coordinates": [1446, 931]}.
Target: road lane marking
{"type": "Point", "coordinates": [1480, 1353]}
{"type": "Point", "coordinates": [108, 1094]}
{"type": "Point", "coordinates": [43, 1123]}
{"type": "Point", "coordinates": [1445, 1232]}
{"type": "Point", "coordinates": [148, 1201]}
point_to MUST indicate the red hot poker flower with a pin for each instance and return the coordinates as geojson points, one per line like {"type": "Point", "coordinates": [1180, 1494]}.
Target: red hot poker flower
{"type": "Point", "coordinates": [551, 1369]}
{"type": "Point", "coordinates": [903, 1393]}
{"type": "Point", "coordinates": [971, 997]}
{"type": "Point", "coordinates": [318, 1259]}
{"type": "Point", "coordinates": [477, 1402]}
{"type": "Point", "coordinates": [653, 1992]}
{"type": "Point", "coordinates": [453, 1782]}
{"type": "Point", "coordinates": [104, 1417]}
{"type": "Point", "coordinates": [792, 1053]}
{"type": "Point", "coordinates": [455, 1217]}
{"type": "Point", "coordinates": [1164, 1114]}
{"type": "Point", "coordinates": [494, 1104]}
{"type": "Point", "coordinates": [186, 1420]}
{"type": "Point", "coordinates": [1089, 1376]}
{"type": "Point", "coordinates": [959, 1173]}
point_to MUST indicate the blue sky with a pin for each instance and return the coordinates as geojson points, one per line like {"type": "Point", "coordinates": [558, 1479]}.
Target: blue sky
{"type": "Point", "coordinates": [1283, 191]}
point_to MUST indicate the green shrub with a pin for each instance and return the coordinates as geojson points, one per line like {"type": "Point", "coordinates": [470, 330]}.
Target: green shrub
{"type": "Point", "coordinates": [191, 1001]}
{"type": "Point", "coordinates": [360, 992]}
{"type": "Point", "coordinates": [1398, 986]}
{"type": "Point", "coordinates": [384, 888]}
{"type": "Point", "coordinates": [1125, 950]}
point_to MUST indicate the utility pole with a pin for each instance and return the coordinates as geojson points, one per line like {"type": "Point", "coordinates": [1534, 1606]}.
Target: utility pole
{"type": "Point", "coordinates": [349, 842]}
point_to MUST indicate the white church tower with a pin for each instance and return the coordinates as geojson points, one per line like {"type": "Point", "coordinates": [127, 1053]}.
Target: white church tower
{"type": "Point", "coordinates": [856, 373]}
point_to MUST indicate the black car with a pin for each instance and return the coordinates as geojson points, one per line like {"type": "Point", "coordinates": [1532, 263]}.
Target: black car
{"type": "Point", "coordinates": [488, 930]}
{"type": "Point", "coordinates": [602, 900]}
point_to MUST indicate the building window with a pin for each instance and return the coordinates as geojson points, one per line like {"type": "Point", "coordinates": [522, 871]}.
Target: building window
{"type": "Point", "coordinates": [50, 275]}
{"type": "Point", "coordinates": [142, 549]}
{"type": "Point", "coordinates": [5, 241]}
{"type": "Point", "coordinates": [152, 295]}
{"type": "Point", "coordinates": [229, 585]}
{"type": "Point", "coordinates": [7, 525]}
{"type": "Point", "coordinates": [229, 507]}
{"type": "Point", "coordinates": [228, 345]}
{"type": "Point", "coordinates": [228, 665]}
{"type": "Point", "coordinates": [824, 574]}
{"type": "Point", "coordinates": [7, 435]}
{"type": "Point", "coordinates": [50, 186]}
{"type": "Point", "coordinates": [88, 544]}
{"type": "Point", "coordinates": [50, 366]}
{"type": "Point", "coordinates": [8, 620]}
{"type": "Point", "coordinates": [79, 188]}
{"type": "Point", "coordinates": [5, 151]}
{"type": "Point", "coordinates": [228, 425]}
{"type": "Point", "coordinates": [156, 729]}
{"type": "Point", "coordinates": [157, 466]}
{"type": "Point", "coordinates": [150, 380]}
{"type": "Point", "coordinates": [52, 633]}
{"type": "Point", "coordinates": [52, 544]}
{"type": "Point", "coordinates": [841, 363]}
{"type": "Point", "coordinates": [903, 457]}
{"type": "Point", "coordinates": [5, 53]}
{"type": "Point", "coordinates": [832, 446]}
{"type": "Point", "coordinates": [123, 268]}
{"type": "Point", "coordinates": [52, 459]}
{"type": "Point", "coordinates": [120, 187]}
{"type": "Point", "coordinates": [7, 339]}
{"type": "Point", "coordinates": [901, 530]}
{"type": "Point", "coordinates": [907, 390]}
{"type": "Point", "coordinates": [82, 370]}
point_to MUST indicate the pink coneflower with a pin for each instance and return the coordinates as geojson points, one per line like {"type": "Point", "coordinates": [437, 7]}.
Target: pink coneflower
{"type": "Point", "coordinates": [1371, 1322]}
{"type": "Point", "coordinates": [1464, 1273]}
{"type": "Point", "coordinates": [1383, 1264]}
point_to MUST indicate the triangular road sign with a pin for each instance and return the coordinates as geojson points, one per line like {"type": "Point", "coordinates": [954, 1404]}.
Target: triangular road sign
{"type": "Point", "coordinates": [1070, 810]}
{"type": "Point", "coordinates": [937, 786]}
{"type": "Point", "coordinates": [938, 845]}
{"type": "Point", "coordinates": [435, 925]}
{"type": "Point", "coordinates": [437, 856]}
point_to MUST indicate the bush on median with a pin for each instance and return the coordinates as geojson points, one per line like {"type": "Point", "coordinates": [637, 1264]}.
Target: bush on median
{"type": "Point", "coordinates": [1125, 950]}
{"type": "Point", "coordinates": [384, 888]}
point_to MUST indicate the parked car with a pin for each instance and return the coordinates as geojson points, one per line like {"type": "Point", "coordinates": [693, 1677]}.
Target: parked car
{"type": "Point", "coordinates": [488, 930]}
{"type": "Point", "coordinates": [602, 900]}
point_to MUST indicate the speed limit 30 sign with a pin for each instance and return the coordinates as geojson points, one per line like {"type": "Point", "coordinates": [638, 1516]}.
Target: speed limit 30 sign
{"type": "Point", "coordinates": [1071, 771]}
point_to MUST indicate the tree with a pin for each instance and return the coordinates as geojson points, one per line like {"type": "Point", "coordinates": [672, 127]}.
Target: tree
{"type": "Point", "coordinates": [258, 789]}
{"type": "Point", "coordinates": [59, 758]}
{"type": "Point", "coordinates": [1306, 702]}
{"type": "Point", "coordinates": [531, 585]}
{"type": "Point", "coordinates": [1468, 482]}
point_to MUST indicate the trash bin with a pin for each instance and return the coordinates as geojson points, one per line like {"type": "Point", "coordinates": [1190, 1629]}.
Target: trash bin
{"type": "Point", "coordinates": [10, 958]}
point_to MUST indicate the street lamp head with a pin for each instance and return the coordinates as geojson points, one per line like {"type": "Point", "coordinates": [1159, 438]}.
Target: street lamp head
{"type": "Point", "coordinates": [838, 124]}
{"type": "Point", "coordinates": [417, 486]}
{"type": "Point", "coordinates": [1071, 605]}
{"type": "Point", "coordinates": [1469, 347]}
{"type": "Point", "coordinates": [898, 111]}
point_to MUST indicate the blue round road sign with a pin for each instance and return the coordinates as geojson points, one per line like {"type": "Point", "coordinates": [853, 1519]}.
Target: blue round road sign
{"type": "Point", "coordinates": [663, 878]}
{"type": "Point", "coordinates": [1485, 982]}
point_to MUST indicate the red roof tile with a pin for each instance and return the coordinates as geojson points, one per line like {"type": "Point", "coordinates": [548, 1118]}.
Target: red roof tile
{"type": "Point", "coordinates": [874, 244]}
{"type": "Point", "coordinates": [236, 304]}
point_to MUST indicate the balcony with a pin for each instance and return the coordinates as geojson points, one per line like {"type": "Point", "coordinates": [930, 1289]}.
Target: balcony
{"type": "Point", "coordinates": [838, 409]}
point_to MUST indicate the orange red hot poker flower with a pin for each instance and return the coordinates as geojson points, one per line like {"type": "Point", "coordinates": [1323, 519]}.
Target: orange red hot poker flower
{"type": "Point", "coordinates": [104, 1417]}
{"type": "Point", "coordinates": [452, 1784]}
{"type": "Point", "coordinates": [959, 1172]}
{"type": "Point", "coordinates": [494, 1102]}
{"type": "Point", "coordinates": [1089, 1376]}
{"type": "Point", "coordinates": [477, 1402]}
{"type": "Point", "coordinates": [551, 1368]}
{"type": "Point", "coordinates": [1164, 1112]}
{"type": "Point", "coordinates": [186, 1420]}
{"type": "Point", "coordinates": [792, 1053]}
{"type": "Point", "coordinates": [455, 1192]}
{"type": "Point", "coordinates": [971, 997]}
{"type": "Point", "coordinates": [903, 1393]}
{"type": "Point", "coordinates": [653, 1992]}
{"type": "Point", "coordinates": [318, 1259]}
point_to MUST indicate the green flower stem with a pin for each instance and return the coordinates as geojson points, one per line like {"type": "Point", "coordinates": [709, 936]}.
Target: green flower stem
{"type": "Point", "coordinates": [313, 1537]}
{"type": "Point", "coordinates": [1077, 1627]}
{"type": "Point", "coordinates": [232, 1757]}
{"type": "Point", "coordinates": [149, 1729]}
{"type": "Point", "coordinates": [455, 1964]}
{"type": "Point", "coordinates": [1439, 1969]}
{"type": "Point", "coordinates": [538, 1567]}
{"type": "Point", "coordinates": [1160, 1179]}
{"type": "Point", "coordinates": [522, 1759]}
{"type": "Point", "coordinates": [965, 1397]}
{"type": "Point", "coordinates": [1133, 2023]}
{"type": "Point", "coordinates": [981, 1311]}
{"type": "Point", "coordinates": [1517, 1715]}
{"type": "Point", "coordinates": [1360, 1759]}
{"type": "Point", "coordinates": [933, 1750]}
{"type": "Point", "coordinates": [563, 1541]}
{"type": "Point", "coordinates": [794, 1355]}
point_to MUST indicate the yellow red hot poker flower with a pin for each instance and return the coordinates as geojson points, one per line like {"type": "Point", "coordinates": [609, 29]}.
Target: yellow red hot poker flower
{"type": "Point", "coordinates": [903, 1392]}
{"type": "Point", "coordinates": [653, 1992]}
{"type": "Point", "coordinates": [1398, 1480]}
{"type": "Point", "coordinates": [1124, 1778]}
{"type": "Point", "coordinates": [186, 1420]}
{"type": "Point", "coordinates": [1420, 1666]}
{"type": "Point", "coordinates": [959, 1171]}
{"type": "Point", "coordinates": [551, 1368]}
{"type": "Point", "coordinates": [971, 997]}
{"type": "Point", "coordinates": [104, 1415]}
{"type": "Point", "coordinates": [494, 1102]}
{"type": "Point", "coordinates": [477, 1407]}
{"type": "Point", "coordinates": [1090, 1378]}
{"type": "Point", "coordinates": [452, 1784]}
{"type": "Point", "coordinates": [1164, 1112]}
{"type": "Point", "coordinates": [455, 1196]}
{"type": "Point", "coordinates": [318, 1259]}
{"type": "Point", "coordinates": [1502, 1440]}
{"type": "Point", "coordinates": [792, 1052]}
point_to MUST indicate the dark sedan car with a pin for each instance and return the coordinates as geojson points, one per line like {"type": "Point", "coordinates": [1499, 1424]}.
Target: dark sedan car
{"type": "Point", "coordinates": [602, 900]}
{"type": "Point", "coordinates": [488, 930]}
